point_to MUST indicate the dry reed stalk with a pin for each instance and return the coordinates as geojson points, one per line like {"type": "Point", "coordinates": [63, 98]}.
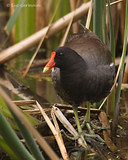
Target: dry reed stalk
{"type": "Point", "coordinates": [61, 146]}
{"type": "Point", "coordinates": [55, 133]}
{"type": "Point", "coordinates": [73, 6]}
{"type": "Point", "coordinates": [67, 124]}
{"type": "Point", "coordinates": [12, 8]}
{"type": "Point", "coordinates": [67, 31]}
{"type": "Point", "coordinates": [89, 15]}
{"type": "Point", "coordinates": [43, 144]}
{"type": "Point", "coordinates": [32, 40]}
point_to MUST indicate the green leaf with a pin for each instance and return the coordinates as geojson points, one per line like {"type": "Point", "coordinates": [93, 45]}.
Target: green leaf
{"type": "Point", "coordinates": [14, 16]}
{"type": "Point", "coordinates": [7, 149]}
{"type": "Point", "coordinates": [12, 140]}
{"type": "Point", "coordinates": [111, 98]}
{"type": "Point", "coordinates": [32, 145]}
{"type": "Point", "coordinates": [5, 111]}
{"type": "Point", "coordinates": [123, 56]}
{"type": "Point", "coordinates": [112, 42]}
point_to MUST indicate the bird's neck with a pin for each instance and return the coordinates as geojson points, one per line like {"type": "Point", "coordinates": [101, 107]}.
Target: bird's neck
{"type": "Point", "coordinates": [75, 66]}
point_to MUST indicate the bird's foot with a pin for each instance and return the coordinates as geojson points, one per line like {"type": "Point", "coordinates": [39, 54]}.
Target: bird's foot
{"type": "Point", "coordinates": [70, 137]}
{"type": "Point", "coordinates": [98, 127]}
{"type": "Point", "coordinates": [96, 136]}
{"type": "Point", "coordinates": [93, 125]}
{"type": "Point", "coordinates": [92, 133]}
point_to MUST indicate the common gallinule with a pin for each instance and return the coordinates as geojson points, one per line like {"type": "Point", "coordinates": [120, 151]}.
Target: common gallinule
{"type": "Point", "coordinates": [82, 70]}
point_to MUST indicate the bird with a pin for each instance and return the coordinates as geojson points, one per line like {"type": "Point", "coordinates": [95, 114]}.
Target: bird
{"type": "Point", "coordinates": [82, 70]}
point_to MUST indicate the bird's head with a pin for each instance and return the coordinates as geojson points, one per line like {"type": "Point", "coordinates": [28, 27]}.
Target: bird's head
{"type": "Point", "coordinates": [63, 58]}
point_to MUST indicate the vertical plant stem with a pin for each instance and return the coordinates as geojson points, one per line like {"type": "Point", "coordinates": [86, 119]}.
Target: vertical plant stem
{"type": "Point", "coordinates": [88, 21]}
{"type": "Point", "coordinates": [123, 55]}
{"type": "Point", "coordinates": [112, 42]}
{"type": "Point", "coordinates": [111, 98]}
{"type": "Point", "coordinates": [121, 66]}
{"type": "Point", "coordinates": [99, 19]}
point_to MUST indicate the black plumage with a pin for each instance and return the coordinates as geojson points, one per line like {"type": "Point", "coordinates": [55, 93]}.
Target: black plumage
{"type": "Point", "coordinates": [83, 69]}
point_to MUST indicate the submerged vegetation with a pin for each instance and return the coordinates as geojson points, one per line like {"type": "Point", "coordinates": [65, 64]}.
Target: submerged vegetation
{"type": "Point", "coordinates": [30, 30]}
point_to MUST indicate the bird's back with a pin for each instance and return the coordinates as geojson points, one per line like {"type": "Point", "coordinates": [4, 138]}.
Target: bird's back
{"type": "Point", "coordinates": [90, 47]}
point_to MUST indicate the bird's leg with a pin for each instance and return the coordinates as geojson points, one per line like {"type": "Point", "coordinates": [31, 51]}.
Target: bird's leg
{"type": "Point", "coordinates": [78, 125]}
{"type": "Point", "coordinates": [87, 117]}
{"type": "Point", "coordinates": [87, 120]}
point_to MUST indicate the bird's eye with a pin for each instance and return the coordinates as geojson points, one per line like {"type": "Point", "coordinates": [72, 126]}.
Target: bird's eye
{"type": "Point", "coordinates": [61, 54]}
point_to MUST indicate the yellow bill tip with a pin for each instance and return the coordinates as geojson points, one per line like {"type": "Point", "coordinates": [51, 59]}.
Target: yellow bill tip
{"type": "Point", "coordinates": [45, 69]}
